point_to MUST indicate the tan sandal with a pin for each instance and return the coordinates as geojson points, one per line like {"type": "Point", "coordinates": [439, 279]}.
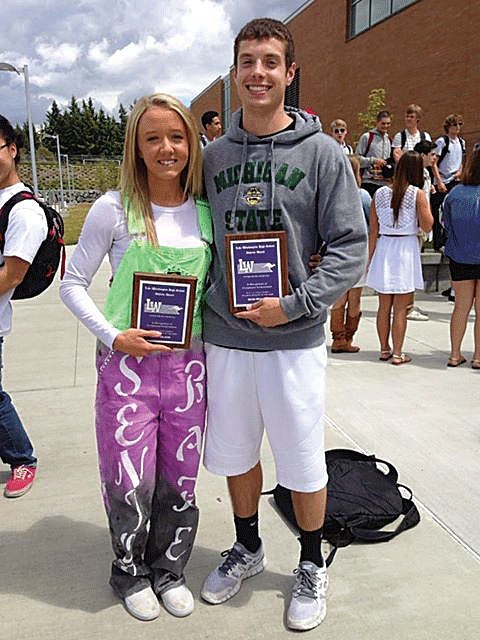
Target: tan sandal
{"type": "Point", "coordinates": [385, 355]}
{"type": "Point", "coordinates": [456, 362]}
{"type": "Point", "coordinates": [401, 358]}
{"type": "Point", "coordinates": [476, 363]}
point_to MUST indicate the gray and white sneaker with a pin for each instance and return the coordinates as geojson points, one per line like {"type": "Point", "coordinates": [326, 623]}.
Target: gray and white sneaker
{"type": "Point", "coordinates": [225, 581]}
{"type": "Point", "coordinates": [308, 606]}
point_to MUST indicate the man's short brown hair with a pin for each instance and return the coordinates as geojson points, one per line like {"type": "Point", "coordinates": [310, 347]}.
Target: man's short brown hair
{"type": "Point", "coordinates": [261, 29]}
{"type": "Point", "coordinates": [416, 109]}
{"type": "Point", "coordinates": [452, 120]}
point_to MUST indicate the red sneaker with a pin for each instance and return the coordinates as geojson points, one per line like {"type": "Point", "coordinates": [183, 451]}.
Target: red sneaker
{"type": "Point", "coordinates": [20, 481]}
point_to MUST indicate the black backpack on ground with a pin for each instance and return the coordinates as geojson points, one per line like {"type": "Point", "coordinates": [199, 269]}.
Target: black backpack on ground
{"type": "Point", "coordinates": [51, 252]}
{"type": "Point", "coordinates": [363, 496]}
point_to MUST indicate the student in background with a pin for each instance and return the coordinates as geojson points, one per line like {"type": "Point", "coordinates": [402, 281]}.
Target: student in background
{"type": "Point", "coordinates": [461, 217]}
{"type": "Point", "coordinates": [339, 132]}
{"type": "Point", "coordinates": [395, 269]}
{"type": "Point", "coordinates": [345, 313]}
{"type": "Point", "coordinates": [27, 229]}
{"type": "Point", "coordinates": [373, 150]}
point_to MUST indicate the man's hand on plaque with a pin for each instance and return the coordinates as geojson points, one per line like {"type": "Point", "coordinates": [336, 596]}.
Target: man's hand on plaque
{"type": "Point", "coordinates": [134, 342]}
{"type": "Point", "coordinates": [267, 312]}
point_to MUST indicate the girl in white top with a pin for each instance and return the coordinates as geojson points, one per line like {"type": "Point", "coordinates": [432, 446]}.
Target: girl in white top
{"type": "Point", "coordinates": [150, 403]}
{"type": "Point", "coordinates": [395, 269]}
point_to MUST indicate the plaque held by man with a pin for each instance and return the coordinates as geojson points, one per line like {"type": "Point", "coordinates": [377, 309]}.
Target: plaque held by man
{"type": "Point", "coordinates": [257, 267]}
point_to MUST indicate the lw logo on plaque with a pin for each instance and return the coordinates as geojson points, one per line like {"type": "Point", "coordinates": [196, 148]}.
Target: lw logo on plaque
{"type": "Point", "coordinates": [256, 267]}
{"type": "Point", "coordinates": [164, 303]}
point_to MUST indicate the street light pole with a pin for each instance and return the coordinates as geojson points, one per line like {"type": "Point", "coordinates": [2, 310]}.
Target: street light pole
{"type": "Point", "coordinates": [5, 66]}
{"type": "Point", "coordinates": [30, 129]}
{"type": "Point", "coordinates": [59, 159]}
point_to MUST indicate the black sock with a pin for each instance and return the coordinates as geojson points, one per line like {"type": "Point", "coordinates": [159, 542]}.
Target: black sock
{"type": "Point", "coordinates": [247, 532]}
{"type": "Point", "coordinates": [311, 546]}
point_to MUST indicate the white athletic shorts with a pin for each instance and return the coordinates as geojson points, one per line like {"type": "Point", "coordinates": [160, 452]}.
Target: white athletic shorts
{"type": "Point", "coordinates": [282, 392]}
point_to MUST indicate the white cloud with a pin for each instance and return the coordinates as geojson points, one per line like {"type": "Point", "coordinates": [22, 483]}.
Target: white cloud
{"type": "Point", "coordinates": [115, 52]}
{"type": "Point", "coordinates": [63, 55]}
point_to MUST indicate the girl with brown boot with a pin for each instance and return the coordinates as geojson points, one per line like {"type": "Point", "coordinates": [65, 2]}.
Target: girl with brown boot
{"type": "Point", "coordinates": [345, 314]}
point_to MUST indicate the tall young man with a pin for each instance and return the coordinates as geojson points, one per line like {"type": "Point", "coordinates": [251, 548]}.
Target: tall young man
{"type": "Point", "coordinates": [447, 170]}
{"type": "Point", "coordinates": [407, 139]}
{"type": "Point", "coordinates": [27, 228]}
{"type": "Point", "coordinates": [273, 170]}
{"type": "Point", "coordinates": [373, 150]}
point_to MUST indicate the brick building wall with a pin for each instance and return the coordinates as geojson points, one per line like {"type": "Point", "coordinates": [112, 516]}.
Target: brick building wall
{"type": "Point", "coordinates": [428, 53]}
{"type": "Point", "coordinates": [211, 99]}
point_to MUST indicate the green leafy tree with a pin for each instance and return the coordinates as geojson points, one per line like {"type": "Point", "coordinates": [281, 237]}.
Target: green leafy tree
{"type": "Point", "coordinates": [375, 103]}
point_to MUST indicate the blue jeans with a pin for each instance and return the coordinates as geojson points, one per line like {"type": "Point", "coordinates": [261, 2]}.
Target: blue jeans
{"type": "Point", "coordinates": [15, 445]}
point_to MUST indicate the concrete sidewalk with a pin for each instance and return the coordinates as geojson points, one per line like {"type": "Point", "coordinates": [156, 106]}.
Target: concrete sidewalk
{"type": "Point", "coordinates": [55, 551]}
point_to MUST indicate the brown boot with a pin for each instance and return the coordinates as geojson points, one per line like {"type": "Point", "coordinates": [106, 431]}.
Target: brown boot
{"type": "Point", "coordinates": [337, 327]}
{"type": "Point", "coordinates": [351, 327]}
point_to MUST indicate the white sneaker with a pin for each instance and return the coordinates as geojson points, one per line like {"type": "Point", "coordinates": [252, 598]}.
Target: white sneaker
{"type": "Point", "coordinates": [308, 606]}
{"type": "Point", "coordinates": [415, 313]}
{"type": "Point", "coordinates": [178, 601]}
{"type": "Point", "coordinates": [143, 604]}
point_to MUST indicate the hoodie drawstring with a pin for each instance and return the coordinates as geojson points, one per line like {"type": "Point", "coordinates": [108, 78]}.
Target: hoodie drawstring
{"type": "Point", "coordinates": [242, 165]}
{"type": "Point", "coordinates": [271, 158]}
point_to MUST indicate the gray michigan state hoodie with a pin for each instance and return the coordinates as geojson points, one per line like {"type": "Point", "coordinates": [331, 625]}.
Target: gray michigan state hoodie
{"type": "Point", "coordinates": [300, 181]}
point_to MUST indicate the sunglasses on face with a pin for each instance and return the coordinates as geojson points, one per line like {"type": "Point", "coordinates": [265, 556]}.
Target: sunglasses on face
{"type": "Point", "coordinates": [339, 130]}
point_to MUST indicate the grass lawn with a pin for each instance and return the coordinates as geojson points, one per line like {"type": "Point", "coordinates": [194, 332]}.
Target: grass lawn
{"type": "Point", "coordinates": [74, 221]}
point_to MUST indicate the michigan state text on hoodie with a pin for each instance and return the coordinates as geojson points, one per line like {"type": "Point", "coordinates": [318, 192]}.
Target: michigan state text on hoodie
{"type": "Point", "coordinates": [299, 181]}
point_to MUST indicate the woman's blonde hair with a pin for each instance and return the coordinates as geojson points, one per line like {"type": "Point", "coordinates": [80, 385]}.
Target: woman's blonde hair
{"type": "Point", "coordinates": [133, 173]}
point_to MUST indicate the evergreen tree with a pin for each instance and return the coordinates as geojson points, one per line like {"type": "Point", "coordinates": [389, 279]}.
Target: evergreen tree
{"type": "Point", "coordinates": [88, 129]}
{"type": "Point", "coordinates": [83, 130]}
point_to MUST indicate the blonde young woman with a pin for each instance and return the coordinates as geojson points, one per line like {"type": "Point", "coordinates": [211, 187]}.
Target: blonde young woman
{"type": "Point", "coordinates": [150, 406]}
{"type": "Point", "coordinates": [395, 269]}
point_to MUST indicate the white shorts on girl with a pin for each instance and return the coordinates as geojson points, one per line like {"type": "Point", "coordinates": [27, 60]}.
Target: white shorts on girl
{"type": "Point", "coordinates": [281, 392]}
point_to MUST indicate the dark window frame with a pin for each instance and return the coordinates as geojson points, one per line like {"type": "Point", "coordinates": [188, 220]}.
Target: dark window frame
{"type": "Point", "coordinates": [351, 3]}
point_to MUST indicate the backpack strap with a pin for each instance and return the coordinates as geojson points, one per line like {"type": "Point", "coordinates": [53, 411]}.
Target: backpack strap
{"type": "Point", "coordinates": [371, 136]}
{"type": "Point", "coordinates": [411, 517]}
{"type": "Point", "coordinates": [21, 196]}
{"type": "Point", "coordinates": [444, 150]}
{"type": "Point", "coordinates": [351, 454]}
{"type": "Point", "coordinates": [422, 136]}
{"type": "Point", "coordinates": [403, 139]}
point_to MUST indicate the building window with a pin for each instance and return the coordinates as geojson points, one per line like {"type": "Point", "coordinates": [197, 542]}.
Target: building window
{"type": "Point", "coordinates": [292, 92]}
{"type": "Point", "coordinates": [366, 13]}
{"type": "Point", "coordinates": [226, 106]}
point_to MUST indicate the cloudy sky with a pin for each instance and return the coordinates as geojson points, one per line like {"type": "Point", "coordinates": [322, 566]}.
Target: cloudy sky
{"type": "Point", "coordinates": [117, 50]}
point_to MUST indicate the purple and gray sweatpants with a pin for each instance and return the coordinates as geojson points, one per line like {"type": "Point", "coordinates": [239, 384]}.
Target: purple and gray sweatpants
{"type": "Point", "coordinates": [150, 419]}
